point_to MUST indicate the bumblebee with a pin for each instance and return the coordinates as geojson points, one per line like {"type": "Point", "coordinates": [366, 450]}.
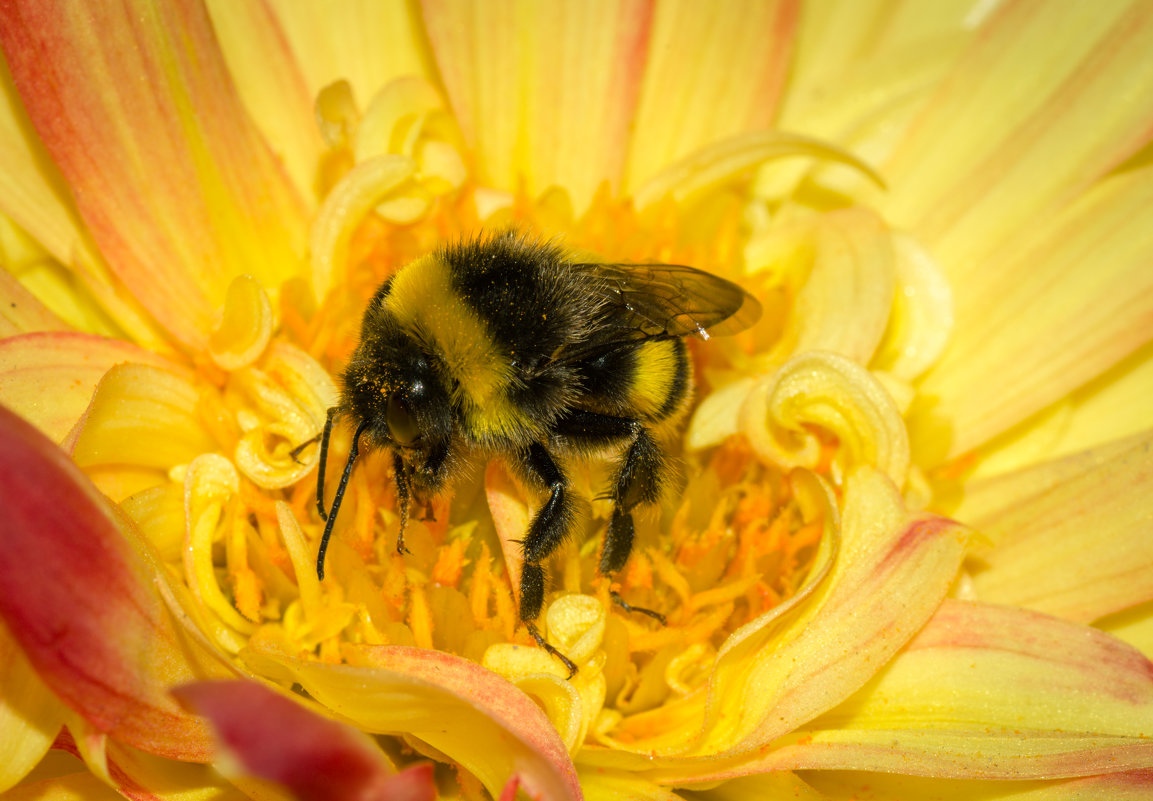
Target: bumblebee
{"type": "Point", "coordinates": [505, 345]}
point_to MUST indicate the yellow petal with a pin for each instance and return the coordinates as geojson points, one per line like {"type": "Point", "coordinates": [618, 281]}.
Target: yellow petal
{"type": "Point", "coordinates": [245, 325]}
{"type": "Point", "coordinates": [1081, 101]}
{"type": "Point", "coordinates": [701, 170]}
{"type": "Point", "coordinates": [1114, 406]}
{"type": "Point", "coordinates": [844, 304]}
{"type": "Point", "coordinates": [21, 312]}
{"type": "Point", "coordinates": [546, 108]}
{"type": "Point", "coordinates": [365, 42]}
{"type": "Point", "coordinates": [30, 715]}
{"type": "Point", "coordinates": [1078, 548]}
{"type": "Point", "coordinates": [285, 402]}
{"type": "Point", "coordinates": [711, 72]}
{"type": "Point", "coordinates": [72, 787]}
{"type": "Point", "coordinates": [604, 785]}
{"type": "Point", "coordinates": [48, 378]}
{"type": "Point", "coordinates": [271, 86]}
{"type": "Point", "coordinates": [1040, 323]}
{"type": "Point", "coordinates": [362, 189]}
{"type": "Point", "coordinates": [922, 315]}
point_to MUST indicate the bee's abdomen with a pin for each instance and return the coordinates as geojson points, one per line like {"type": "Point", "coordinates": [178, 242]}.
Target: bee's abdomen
{"type": "Point", "coordinates": [648, 380]}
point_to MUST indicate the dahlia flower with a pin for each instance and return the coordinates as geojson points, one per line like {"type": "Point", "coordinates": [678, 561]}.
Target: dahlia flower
{"type": "Point", "coordinates": [909, 554]}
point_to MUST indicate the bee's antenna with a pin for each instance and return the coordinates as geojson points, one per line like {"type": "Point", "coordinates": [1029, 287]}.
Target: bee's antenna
{"type": "Point", "coordinates": [323, 463]}
{"type": "Point", "coordinates": [336, 501]}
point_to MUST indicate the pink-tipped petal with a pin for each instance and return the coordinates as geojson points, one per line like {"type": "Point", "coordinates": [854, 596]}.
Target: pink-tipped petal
{"type": "Point", "coordinates": [79, 598]}
{"type": "Point", "coordinates": [48, 378]}
{"type": "Point", "coordinates": [892, 570]}
{"type": "Point", "coordinates": [475, 717]}
{"type": "Point", "coordinates": [317, 759]}
{"type": "Point", "coordinates": [134, 104]}
{"type": "Point", "coordinates": [990, 692]}
{"type": "Point", "coordinates": [1080, 548]}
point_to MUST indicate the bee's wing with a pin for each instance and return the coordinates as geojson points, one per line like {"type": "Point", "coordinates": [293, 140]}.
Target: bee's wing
{"type": "Point", "coordinates": [662, 300]}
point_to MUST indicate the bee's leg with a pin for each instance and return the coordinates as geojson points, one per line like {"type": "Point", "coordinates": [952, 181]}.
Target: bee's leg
{"type": "Point", "coordinates": [638, 482]}
{"type": "Point", "coordinates": [548, 529]}
{"type": "Point", "coordinates": [400, 475]}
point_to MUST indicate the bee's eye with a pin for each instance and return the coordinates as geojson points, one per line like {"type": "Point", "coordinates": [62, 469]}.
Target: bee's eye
{"type": "Point", "coordinates": [401, 424]}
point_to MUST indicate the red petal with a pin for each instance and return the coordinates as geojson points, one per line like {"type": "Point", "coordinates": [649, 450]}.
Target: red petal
{"type": "Point", "coordinates": [77, 598]}
{"type": "Point", "coordinates": [314, 757]}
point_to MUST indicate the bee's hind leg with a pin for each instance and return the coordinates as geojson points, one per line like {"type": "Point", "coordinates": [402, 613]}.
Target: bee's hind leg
{"type": "Point", "coordinates": [638, 481]}
{"type": "Point", "coordinates": [548, 530]}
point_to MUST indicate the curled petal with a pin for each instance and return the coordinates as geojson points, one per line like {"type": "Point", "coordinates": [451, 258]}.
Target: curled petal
{"type": "Point", "coordinates": [145, 416]}
{"type": "Point", "coordinates": [496, 729]}
{"type": "Point", "coordinates": [245, 327]}
{"type": "Point", "coordinates": [922, 315]}
{"type": "Point", "coordinates": [364, 187]}
{"type": "Point", "coordinates": [77, 592]}
{"type": "Point", "coordinates": [209, 483]}
{"type": "Point", "coordinates": [276, 738]}
{"type": "Point", "coordinates": [831, 393]}
{"type": "Point", "coordinates": [286, 401]}
{"type": "Point", "coordinates": [722, 161]}
{"type": "Point", "coordinates": [890, 573]}
{"type": "Point", "coordinates": [393, 120]}
{"type": "Point", "coordinates": [868, 599]}
{"type": "Point", "coordinates": [845, 303]}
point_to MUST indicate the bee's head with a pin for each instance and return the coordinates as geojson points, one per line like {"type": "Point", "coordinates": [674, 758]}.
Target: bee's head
{"type": "Point", "coordinates": [394, 384]}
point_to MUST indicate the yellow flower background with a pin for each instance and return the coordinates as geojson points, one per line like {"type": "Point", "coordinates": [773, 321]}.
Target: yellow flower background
{"type": "Point", "coordinates": [910, 553]}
